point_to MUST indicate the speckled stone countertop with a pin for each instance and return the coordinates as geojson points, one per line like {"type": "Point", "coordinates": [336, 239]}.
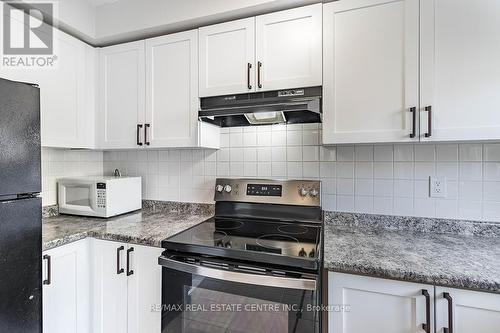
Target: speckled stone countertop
{"type": "Point", "coordinates": [146, 227]}
{"type": "Point", "coordinates": [445, 259]}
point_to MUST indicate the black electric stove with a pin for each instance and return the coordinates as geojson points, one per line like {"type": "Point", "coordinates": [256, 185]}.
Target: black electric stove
{"type": "Point", "coordinates": [263, 246]}
{"type": "Point", "coordinates": [264, 241]}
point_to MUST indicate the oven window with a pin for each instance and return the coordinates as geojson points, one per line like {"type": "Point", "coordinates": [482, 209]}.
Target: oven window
{"type": "Point", "coordinates": [78, 195]}
{"type": "Point", "coordinates": [196, 304]}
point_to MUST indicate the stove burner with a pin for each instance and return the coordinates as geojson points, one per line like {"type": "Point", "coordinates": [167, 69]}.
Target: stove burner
{"type": "Point", "coordinates": [291, 229]}
{"type": "Point", "coordinates": [210, 237]}
{"type": "Point", "coordinates": [276, 241]}
{"type": "Point", "coordinates": [228, 225]}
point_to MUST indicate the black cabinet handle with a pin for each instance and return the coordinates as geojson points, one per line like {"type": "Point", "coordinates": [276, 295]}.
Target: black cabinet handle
{"type": "Point", "coordinates": [129, 271]}
{"type": "Point", "coordinates": [427, 326]}
{"type": "Point", "coordinates": [146, 142]}
{"type": "Point", "coordinates": [429, 121]}
{"type": "Point", "coordinates": [118, 269]}
{"type": "Point", "coordinates": [413, 133]}
{"type": "Point", "coordinates": [449, 329]}
{"type": "Point", "coordinates": [249, 67]}
{"type": "Point", "coordinates": [139, 126]}
{"type": "Point", "coordinates": [49, 269]}
{"type": "Point", "coordinates": [259, 66]}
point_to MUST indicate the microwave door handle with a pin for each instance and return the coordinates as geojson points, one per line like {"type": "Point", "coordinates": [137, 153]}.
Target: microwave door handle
{"type": "Point", "coordinates": [238, 277]}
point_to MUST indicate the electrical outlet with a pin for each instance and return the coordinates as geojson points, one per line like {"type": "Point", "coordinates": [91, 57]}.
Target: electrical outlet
{"type": "Point", "coordinates": [438, 187]}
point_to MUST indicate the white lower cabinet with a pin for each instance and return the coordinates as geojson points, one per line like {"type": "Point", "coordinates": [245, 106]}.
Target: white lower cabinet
{"type": "Point", "coordinates": [126, 283]}
{"type": "Point", "coordinates": [465, 311]}
{"type": "Point", "coordinates": [144, 290]}
{"type": "Point", "coordinates": [101, 287]}
{"type": "Point", "coordinates": [66, 288]}
{"type": "Point", "coordinates": [361, 304]}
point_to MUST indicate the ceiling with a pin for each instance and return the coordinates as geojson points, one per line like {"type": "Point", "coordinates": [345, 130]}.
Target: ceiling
{"type": "Point", "coordinates": [97, 3]}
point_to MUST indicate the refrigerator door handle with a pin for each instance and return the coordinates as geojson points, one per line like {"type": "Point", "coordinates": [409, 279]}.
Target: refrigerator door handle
{"type": "Point", "coordinates": [48, 281]}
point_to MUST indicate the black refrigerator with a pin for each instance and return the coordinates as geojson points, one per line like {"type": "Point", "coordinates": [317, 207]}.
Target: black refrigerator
{"type": "Point", "coordinates": [20, 208]}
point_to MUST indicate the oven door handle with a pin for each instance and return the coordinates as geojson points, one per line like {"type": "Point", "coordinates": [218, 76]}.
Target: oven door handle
{"type": "Point", "coordinates": [238, 277]}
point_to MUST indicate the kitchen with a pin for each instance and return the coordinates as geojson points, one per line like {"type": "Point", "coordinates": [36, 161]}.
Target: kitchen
{"type": "Point", "coordinates": [250, 166]}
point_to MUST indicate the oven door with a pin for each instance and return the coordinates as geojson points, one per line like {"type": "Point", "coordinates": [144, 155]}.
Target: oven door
{"type": "Point", "coordinates": [203, 295]}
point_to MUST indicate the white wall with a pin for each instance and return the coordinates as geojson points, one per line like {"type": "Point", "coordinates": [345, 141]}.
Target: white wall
{"type": "Point", "coordinates": [104, 22]}
{"type": "Point", "coordinates": [382, 179]}
{"type": "Point", "coordinates": [125, 19]}
{"type": "Point", "coordinates": [58, 163]}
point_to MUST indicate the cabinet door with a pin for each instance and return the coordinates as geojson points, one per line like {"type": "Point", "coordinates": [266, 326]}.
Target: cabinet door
{"type": "Point", "coordinates": [370, 71]}
{"type": "Point", "coordinates": [288, 48]}
{"type": "Point", "coordinates": [144, 289]}
{"type": "Point", "coordinates": [172, 90]}
{"type": "Point", "coordinates": [121, 95]}
{"type": "Point", "coordinates": [66, 292]}
{"type": "Point", "coordinates": [109, 287]}
{"type": "Point", "coordinates": [227, 53]}
{"type": "Point", "coordinates": [470, 311]}
{"type": "Point", "coordinates": [460, 55]}
{"type": "Point", "coordinates": [62, 96]}
{"type": "Point", "coordinates": [65, 116]}
{"type": "Point", "coordinates": [362, 304]}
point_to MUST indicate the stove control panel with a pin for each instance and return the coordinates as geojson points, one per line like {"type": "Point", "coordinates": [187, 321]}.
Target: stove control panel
{"type": "Point", "coordinates": [286, 192]}
{"type": "Point", "coordinates": [265, 190]}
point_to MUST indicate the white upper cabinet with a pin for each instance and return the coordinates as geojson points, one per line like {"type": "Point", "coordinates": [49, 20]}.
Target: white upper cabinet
{"type": "Point", "coordinates": [269, 52]}
{"type": "Point", "coordinates": [172, 90]}
{"type": "Point", "coordinates": [148, 96]}
{"type": "Point", "coordinates": [67, 117]}
{"type": "Point", "coordinates": [121, 96]}
{"type": "Point", "coordinates": [227, 53]}
{"type": "Point", "coordinates": [465, 311]}
{"type": "Point", "coordinates": [62, 96]}
{"type": "Point", "coordinates": [378, 305]}
{"type": "Point", "coordinates": [370, 71]}
{"type": "Point", "coordinates": [460, 54]}
{"type": "Point", "coordinates": [288, 48]}
{"type": "Point", "coordinates": [382, 58]}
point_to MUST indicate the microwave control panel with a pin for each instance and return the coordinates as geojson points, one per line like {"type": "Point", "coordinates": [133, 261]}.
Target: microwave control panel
{"type": "Point", "coordinates": [101, 195]}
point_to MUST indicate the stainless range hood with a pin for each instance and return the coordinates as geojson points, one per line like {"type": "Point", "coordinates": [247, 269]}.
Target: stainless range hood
{"type": "Point", "coordinates": [291, 106]}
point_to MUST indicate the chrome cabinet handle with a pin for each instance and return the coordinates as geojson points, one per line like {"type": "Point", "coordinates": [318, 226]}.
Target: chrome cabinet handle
{"type": "Point", "coordinates": [449, 329]}
{"type": "Point", "coordinates": [249, 67]}
{"type": "Point", "coordinates": [129, 271]}
{"type": "Point", "coordinates": [118, 269]}
{"type": "Point", "coordinates": [427, 325]}
{"type": "Point", "coordinates": [48, 280]}
{"type": "Point", "coordinates": [139, 126]}
{"type": "Point", "coordinates": [146, 142]}
{"type": "Point", "coordinates": [259, 66]}
{"type": "Point", "coordinates": [413, 133]}
{"type": "Point", "coordinates": [428, 109]}
{"type": "Point", "coordinates": [238, 277]}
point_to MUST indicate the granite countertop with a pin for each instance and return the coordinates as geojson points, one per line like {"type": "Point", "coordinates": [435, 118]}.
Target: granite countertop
{"type": "Point", "coordinates": [445, 259]}
{"type": "Point", "coordinates": [142, 227]}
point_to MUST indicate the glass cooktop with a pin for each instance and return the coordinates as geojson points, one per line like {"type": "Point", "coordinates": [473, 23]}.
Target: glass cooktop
{"type": "Point", "coordinates": [255, 240]}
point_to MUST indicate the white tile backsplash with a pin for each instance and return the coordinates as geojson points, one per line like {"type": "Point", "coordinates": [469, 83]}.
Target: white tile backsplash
{"type": "Point", "coordinates": [59, 163]}
{"type": "Point", "coordinates": [381, 179]}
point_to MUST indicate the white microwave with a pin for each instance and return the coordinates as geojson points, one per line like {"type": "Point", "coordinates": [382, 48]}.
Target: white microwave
{"type": "Point", "coordinates": [99, 196]}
